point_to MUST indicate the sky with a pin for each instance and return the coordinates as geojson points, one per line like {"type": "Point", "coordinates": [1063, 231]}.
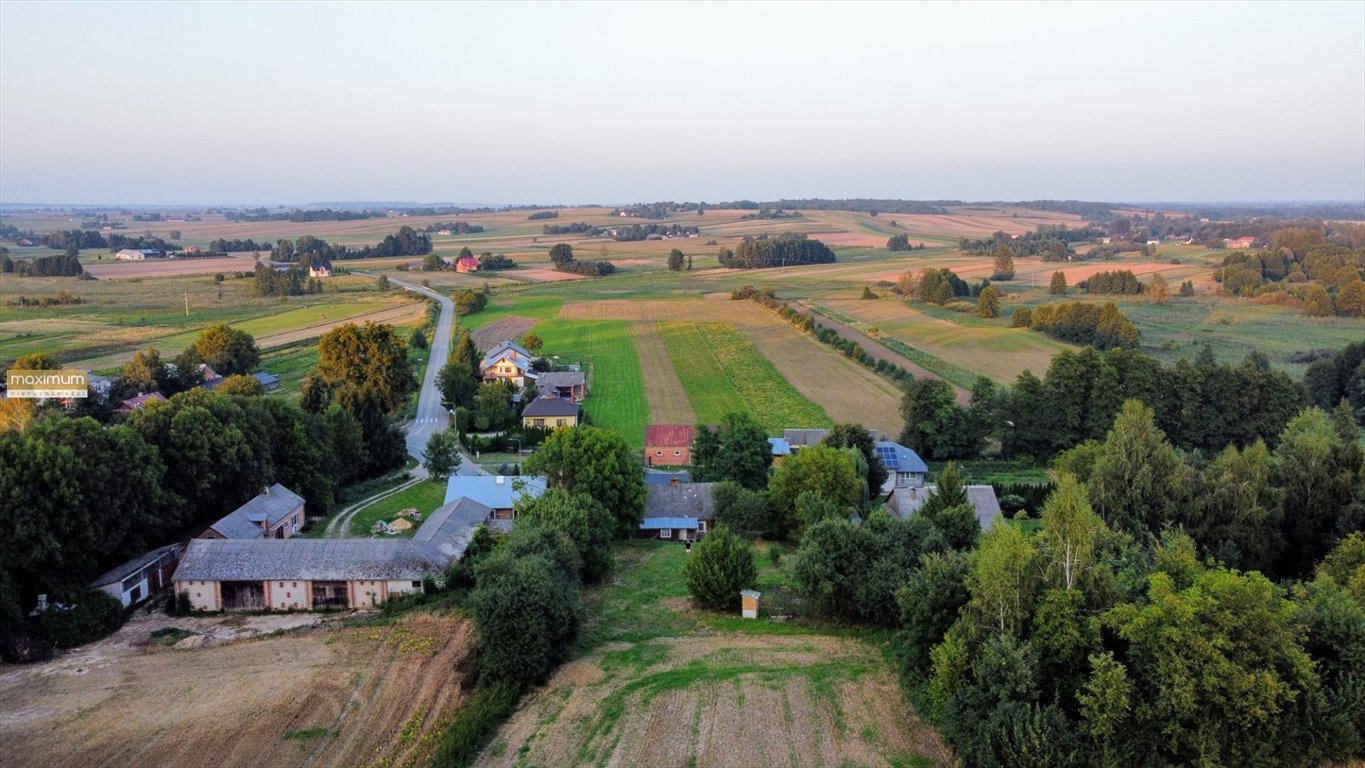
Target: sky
{"type": "Point", "coordinates": [561, 103]}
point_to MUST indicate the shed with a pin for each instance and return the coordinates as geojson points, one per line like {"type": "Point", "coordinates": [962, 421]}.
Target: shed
{"type": "Point", "coordinates": [748, 603]}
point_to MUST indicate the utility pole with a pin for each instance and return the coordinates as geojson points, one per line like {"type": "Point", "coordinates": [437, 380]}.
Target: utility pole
{"type": "Point", "coordinates": [187, 303]}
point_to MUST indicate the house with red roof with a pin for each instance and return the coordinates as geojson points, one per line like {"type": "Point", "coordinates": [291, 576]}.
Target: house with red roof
{"type": "Point", "coordinates": [139, 402]}
{"type": "Point", "coordinates": [669, 445]}
{"type": "Point", "coordinates": [466, 264]}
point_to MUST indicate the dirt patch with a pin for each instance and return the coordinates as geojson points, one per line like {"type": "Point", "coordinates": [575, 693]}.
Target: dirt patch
{"type": "Point", "coordinates": [323, 695]}
{"type": "Point", "coordinates": [124, 270]}
{"type": "Point", "coordinates": [506, 329]}
{"type": "Point", "coordinates": [668, 401]}
{"type": "Point", "coordinates": [542, 275]}
{"type": "Point", "coordinates": [724, 700]}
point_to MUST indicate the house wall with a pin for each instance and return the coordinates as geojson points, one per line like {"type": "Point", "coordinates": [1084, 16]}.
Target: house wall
{"type": "Point", "coordinates": [204, 595]}
{"type": "Point", "coordinates": [668, 455]}
{"type": "Point", "coordinates": [403, 587]}
{"type": "Point", "coordinates": [368, 593]}
{"type": "Point", "coordinates": [550, 422]}
{"type": "Point", "coordinates": [289, 595]}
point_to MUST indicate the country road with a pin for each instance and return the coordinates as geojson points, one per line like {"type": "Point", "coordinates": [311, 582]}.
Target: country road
{"type": "Point", "coordinates": [431, 415]}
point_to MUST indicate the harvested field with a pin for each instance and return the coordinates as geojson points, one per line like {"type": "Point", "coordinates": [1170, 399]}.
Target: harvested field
{"type": "Point", "coordinates": [324, 697]}
{"type": "Point", "coordinates": [125, 270]}
{"type": "Point", "coordinates": [723, 372]}
{"type": "Point", "coordinates": [544, 275]}
{"type": "Point", "coordinates": [503, 329]}
{"type": "Point", "coordinates": [663, 310]}
{"type": "Point", "coordinates": [393, 315]}
{"type": "Point", "coordinates": [668, 400]}
{"type": "Point", "coordinates": [996, 350]}
{"type": "Point", "coordinates": [880, 351]}
{"type": "Point", "coordinates": [847, 391]}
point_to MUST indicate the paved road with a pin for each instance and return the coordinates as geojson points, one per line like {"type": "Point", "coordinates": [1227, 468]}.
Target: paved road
{"type": "Point", "coordinates": [431, 415]}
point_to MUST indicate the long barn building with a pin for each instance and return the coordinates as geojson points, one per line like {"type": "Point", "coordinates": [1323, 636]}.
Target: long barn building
{"type": "Point", "coordinates": [318, 574]}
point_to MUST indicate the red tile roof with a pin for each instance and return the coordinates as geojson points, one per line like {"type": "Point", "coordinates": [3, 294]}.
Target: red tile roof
{"type": "Point", "coordinates": [669, 434]}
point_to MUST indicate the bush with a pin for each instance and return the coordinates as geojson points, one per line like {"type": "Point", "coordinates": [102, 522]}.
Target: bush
{"type": "Point", "coordinates": [474, 724]}
{"type": "Point", "coordinates": [720, 566]}
{"type": "Point", "coordinates": [95, 615]}
{"type": "Point", "coordinates": [526, 608]}
{"type": "Point", "coordinates": [743, 511]}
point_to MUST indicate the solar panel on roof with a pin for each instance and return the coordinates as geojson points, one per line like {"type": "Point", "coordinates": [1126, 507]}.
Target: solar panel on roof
{"type": "Point", "coordinates": [888, 456]}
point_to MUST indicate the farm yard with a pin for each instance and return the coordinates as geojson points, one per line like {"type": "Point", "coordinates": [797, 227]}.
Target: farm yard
{"type": "Point", "coordinates": [325, 695]}
{"type": "Point", "coordinates": [660, 683]}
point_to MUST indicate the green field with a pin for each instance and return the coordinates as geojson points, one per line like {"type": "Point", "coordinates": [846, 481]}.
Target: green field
{"type": "Point", "coordinates": [616, 387]}
{"type": "Point", "coordinates": [723, 372]}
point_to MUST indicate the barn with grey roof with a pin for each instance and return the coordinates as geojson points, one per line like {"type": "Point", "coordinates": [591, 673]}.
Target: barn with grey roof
{"type": "Point", "coordinates": [312, 574]}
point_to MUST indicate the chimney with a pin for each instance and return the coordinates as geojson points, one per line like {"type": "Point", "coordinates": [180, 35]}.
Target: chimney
{"type": "Point", "coordinates": [673, 481]}
{"type": "Point", "coordinates": [42, 603]}
{"type": "Point", "coordinates": [500, 480]}
{"type": "Point", "coordinates": [265, 490]}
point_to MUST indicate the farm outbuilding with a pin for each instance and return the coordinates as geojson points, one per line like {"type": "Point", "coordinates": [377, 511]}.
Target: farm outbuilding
{"type": "Point", "coordinates": [139, 578]}
{"type": "Point", "coordinates": [669, 445]}
{"type": "Point", "coordinates": [314, 574]}
{"type": "Point", "coordinates": [677, 511]}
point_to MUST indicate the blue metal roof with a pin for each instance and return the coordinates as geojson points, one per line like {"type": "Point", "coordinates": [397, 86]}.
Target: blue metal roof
{"type": "Point", "coordinates": [780, 446]}
{"type": "Point", "coordinates": [898, 458]}
{"type": "Point", "coordinates": [493, 491]}
{"type": "Point", "coordinates": [656, 523]}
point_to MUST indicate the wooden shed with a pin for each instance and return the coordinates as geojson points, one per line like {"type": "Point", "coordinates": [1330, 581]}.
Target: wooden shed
{"type": "Point", "coordinates": [748, 603]}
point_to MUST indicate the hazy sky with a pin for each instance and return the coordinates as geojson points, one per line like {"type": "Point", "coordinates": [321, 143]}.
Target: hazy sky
{"type": "Point", "coordinates": [294, 103]}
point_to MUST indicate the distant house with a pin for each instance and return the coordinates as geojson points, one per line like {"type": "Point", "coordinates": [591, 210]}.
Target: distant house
{"type": "Point", "coordinates": [139, 402]}
{"type": "Point", "coordinates": [498, 494]}
{"type": "Point", "coordinates": [207, 374]}
{"type": "Point", "coordinates": [549, 411]}
{"type": "Point", "coordinates": [320, 270]}
{"type": "Point", "coordinates": [138, 254]}
{"type": "Point", "coordinates": [466, 264]}
{"type": "Point", "coordinates": [508, 361]}
{"type": "Point", "coordinates": [669, 445]}
{"type": "Point", "coordinates": [269, 381]}
{"type": "Point", "coordinates": [571, 385]}
{"type": "Point", "coordinates": [1154, 242]}
{"type": "Point", "coordinates": [275, 513]}
{"type": "Point", "coordinates": [137, 579]}
{"type": "Point", "coordinates": [1239, 243]}
{"type": "Point", "coordinates": [905, 502]}
{"type": "Point", "coordinates": [678, 511]}
{"type": "Point", "coordinates": [904, 467]}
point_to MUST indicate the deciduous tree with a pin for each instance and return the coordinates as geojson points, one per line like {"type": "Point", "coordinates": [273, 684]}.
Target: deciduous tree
{"type": "Point", "coordinates": [720, 565]}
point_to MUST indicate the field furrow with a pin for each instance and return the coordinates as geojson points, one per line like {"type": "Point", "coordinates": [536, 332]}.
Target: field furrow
{"type": "Point", "coordinates": [668, 400]}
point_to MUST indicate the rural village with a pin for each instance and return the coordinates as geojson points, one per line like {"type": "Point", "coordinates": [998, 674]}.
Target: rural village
{"type": "Point", "coordinates": [1037, 441]}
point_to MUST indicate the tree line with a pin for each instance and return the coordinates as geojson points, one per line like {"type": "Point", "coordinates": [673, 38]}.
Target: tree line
{"type": "Point", "coordinates": [309, 250]}
{"type": "Point", "coordinates": [1200, 405]}
{"type": "Point", "coordinates": [561, 255]}
{"type": "Point", "coordinates": [299, 216]}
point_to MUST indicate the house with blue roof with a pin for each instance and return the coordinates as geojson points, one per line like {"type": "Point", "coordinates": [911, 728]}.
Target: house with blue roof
{"type": "Point", "coordinates": [500, 493]}
{"type": "Point", "coordinates": [904, 467]}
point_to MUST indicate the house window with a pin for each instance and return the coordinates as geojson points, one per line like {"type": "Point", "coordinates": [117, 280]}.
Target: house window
{"type": "Point", "coordinates": [677, 453]}
{"type": "Point", "coordinates": [666, 533]}
{"type": "Point", "coordinates": [560, 422]}
{"type": "Point", "coordinates": [538, 422]}
{"type": "Point", "coordinates": [701, 526]}
{"type": "Point", "coordinates": [417, 585]}
{"type": "Point", "coordinates": [658, 453]}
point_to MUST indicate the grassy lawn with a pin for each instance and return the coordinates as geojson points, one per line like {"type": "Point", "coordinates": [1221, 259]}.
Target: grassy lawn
{"type": "Point", "coordinates": [291, 363]}
{"type": "Point", "coordinates": [723, 372]}
{"type": "Point", "coordinates": [425, 497]}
